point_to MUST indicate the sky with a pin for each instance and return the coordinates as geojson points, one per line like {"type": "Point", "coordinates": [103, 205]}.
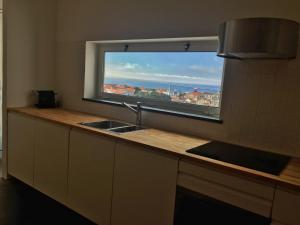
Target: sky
{"type": "Point", "coordinates": [170, 67]}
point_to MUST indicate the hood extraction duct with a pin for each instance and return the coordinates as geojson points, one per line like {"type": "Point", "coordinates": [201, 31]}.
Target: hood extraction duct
{"type": "Point", "coordinates": [258, 38]}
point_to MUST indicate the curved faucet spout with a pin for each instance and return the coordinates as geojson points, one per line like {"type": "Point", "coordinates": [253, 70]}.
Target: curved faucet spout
{"type": "Point", "coordinates": [137, 111]}
{"type": "Point", "coordinates": [129, 107]}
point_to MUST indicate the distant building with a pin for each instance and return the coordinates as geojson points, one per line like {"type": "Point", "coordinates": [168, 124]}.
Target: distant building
{"type": "Point", "coordinates": [195, 97]}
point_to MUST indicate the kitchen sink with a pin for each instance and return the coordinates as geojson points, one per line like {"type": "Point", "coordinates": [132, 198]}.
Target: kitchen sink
{"type": "Point", "coordinates": [126, 129]}
{"type": "Point", "coordinates": [114, 126]}
{"type": "Point", "coordinates": [107, 124]}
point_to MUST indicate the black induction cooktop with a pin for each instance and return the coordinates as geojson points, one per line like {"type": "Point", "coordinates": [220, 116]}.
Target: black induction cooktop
{"type": "Point", "coordinates": [247, 157]}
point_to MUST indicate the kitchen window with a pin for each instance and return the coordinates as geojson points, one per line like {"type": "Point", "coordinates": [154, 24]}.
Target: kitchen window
{"type": "Point", "coordinates": [177, 76]}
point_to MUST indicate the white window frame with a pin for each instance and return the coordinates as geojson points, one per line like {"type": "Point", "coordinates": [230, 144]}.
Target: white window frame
{"type": "Point", "coordinates": [98, 48]}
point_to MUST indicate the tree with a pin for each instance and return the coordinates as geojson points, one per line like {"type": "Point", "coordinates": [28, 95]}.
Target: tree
{"type": "Point", "coordinates": [137, 90]}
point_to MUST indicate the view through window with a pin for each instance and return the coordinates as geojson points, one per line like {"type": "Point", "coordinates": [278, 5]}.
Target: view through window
{"type": "Point", "coordinates": [182, 77]}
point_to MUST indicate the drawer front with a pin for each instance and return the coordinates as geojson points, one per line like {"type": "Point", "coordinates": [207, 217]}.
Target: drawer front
{"type": "Point", "coordinates": [240, 199]}
{"type": "Point", "coordinates": [276, 223]}
{"type": "Point", "coordinates": [261, 190]}
{"type": "Point", "coordinates": [286, 207]}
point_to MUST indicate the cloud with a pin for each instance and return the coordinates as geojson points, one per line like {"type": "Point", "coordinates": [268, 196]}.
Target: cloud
{"type": "Point", "coordinates": [180, 78]}
{"type": "Point", "coordinates": [123, 66]}
{"type": "Point", "coordinates": [161, 77]}
{"type": "Point", "coordinates": [130, 66]}
{"type": "Point", "coordinates": [205, 70]}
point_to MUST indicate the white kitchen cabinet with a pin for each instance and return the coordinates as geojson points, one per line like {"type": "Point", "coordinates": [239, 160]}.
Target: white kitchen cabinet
{"type": "Point", "coordinates": [286, 207]}
{"type": "Point", "coordinates": [51, 159]}
{"type": "Point", "coordinates": [21, 141]}
{"type": "Point", "coordinates": [91, 175]}
{"type": "Point", "coordinates": [144, 186]}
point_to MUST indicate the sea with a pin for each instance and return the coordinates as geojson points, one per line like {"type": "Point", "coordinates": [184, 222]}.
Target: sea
{"type": "Point", "coordinates": [182, 88]}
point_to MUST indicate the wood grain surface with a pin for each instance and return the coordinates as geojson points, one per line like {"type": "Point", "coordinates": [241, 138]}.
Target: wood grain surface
{"type": "Point", "coordinates": [168, 142]}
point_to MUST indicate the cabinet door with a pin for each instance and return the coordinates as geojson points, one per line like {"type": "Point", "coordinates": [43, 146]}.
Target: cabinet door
{"type": "Point", "coordinates": [51, 159]}
{"type": "Point", "coordinates": [144, 187]}
{"type": "Point", "coordinates": [91, 176]}
{"type": "Point", "coordinates": [21, 147]}
{"type": "Point", "coordinates": [286, 207]}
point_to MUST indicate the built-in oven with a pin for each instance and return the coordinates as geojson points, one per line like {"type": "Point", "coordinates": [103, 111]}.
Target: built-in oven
{"type": "Point", "coordinates": [196, 209]}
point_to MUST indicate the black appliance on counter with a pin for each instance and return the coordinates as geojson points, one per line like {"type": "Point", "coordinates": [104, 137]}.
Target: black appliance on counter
{"type": "Point", "coordinates": [196, 209]}
{"type": "Point", "coordinates": [46, 99]}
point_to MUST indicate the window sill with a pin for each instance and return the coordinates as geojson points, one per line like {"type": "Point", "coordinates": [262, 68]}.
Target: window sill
{"type": "Point", "coordinates": [156, 110]}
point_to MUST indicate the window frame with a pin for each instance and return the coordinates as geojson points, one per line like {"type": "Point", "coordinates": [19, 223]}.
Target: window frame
{"type": "Point", "coordinates": [204, 44]}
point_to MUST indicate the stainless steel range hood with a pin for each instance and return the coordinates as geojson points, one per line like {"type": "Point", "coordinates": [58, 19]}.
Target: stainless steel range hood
{"type": "Point", "coordinates": [258, 38]}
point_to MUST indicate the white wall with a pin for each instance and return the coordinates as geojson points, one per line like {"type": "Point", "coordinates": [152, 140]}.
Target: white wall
{"type": "Point", "coordinates": [261, 98]}
{"type": "Point", "coordinates": [260, 102]}
{"type": "Point", "coordinates": [28, 54]}
{"type": "Point", "coordinates": [30, 48]}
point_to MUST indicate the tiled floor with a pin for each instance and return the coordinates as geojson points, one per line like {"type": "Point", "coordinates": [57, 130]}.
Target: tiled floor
{"type": "Point", "coordinates": [21, 205]}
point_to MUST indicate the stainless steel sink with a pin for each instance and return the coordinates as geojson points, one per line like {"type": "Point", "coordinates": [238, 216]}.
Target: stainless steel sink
{"type": "Point", "coordinates": [107, 124]}
{"type": "Point", "coordinates": [114, 126]}
{"type": "Point", "coordinates": [126, 129]}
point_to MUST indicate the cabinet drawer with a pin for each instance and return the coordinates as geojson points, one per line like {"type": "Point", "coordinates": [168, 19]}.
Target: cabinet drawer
{"type": "Point", "coordinates": [286, 207]}
{"type": "Point", "coordinates": [247, 194]}
{"type": "Point", "coordinates": [255, 188]}
{"type": "Point", "coordinates": [276, 223]}
{"type": "Point", "coordinates": [240, 199]}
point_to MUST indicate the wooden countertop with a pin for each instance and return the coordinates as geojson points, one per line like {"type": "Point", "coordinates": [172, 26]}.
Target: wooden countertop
{"type": "Point", "coordinates": [168, 142]}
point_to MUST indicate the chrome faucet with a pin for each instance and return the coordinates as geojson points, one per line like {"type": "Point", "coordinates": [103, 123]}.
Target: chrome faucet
{"type": "Point", "coordinates": [137, 111]}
